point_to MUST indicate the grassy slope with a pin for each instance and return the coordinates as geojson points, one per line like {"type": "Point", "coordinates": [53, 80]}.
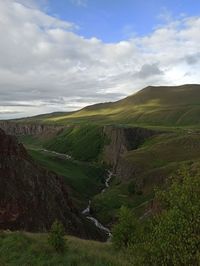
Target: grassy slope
{"type": "Point", "coordinates": [83, 143]}
{"type": "Point", "coordinates": [25, 249]}
{"type": "Point", "coordinates": [84, 180]}
{"type": "Point", "coordinates": [152, 106]}
{"type": "Point", "coordinates": [157, 159]}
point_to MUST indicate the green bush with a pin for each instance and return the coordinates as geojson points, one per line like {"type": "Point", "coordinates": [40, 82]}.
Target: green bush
{"type": "Point", "coordinates": [56, 237]}
{"type": "Point", "coordinates": [172, 236]}
{"type": "Point", "coordinates": [175, 237]}
{"type": "Point", "coordinates": [125, 231]}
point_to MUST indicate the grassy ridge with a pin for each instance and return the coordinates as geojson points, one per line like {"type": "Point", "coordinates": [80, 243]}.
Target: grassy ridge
{"type": "Point", "coordinates": [153, 106]}
{"type": "Point", "coordinates": [25, 249]}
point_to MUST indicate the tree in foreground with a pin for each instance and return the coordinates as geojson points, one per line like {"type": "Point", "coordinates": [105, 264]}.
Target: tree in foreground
{"type": "Point", "coordinates": [172, 236]}
{"type": "Point", "coordinates": [125, 231]}
{"type": "Point", "coordinates": [56, 236]}
{"type": "Point", "coordinates": [175, 236]}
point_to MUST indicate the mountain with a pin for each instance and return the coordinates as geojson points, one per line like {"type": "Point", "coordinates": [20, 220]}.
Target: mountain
{"type": "Point", "coordinates": [32, 198]}
{"type": "Point", "coordinates": [152, 106]}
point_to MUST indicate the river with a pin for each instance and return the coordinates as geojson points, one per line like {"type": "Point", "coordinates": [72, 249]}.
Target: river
{"type": "Point", "coordinates": [88, 215]}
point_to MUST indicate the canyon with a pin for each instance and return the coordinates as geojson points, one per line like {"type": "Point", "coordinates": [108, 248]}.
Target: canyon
{"type": "Point", "coordinates": [119, 139]}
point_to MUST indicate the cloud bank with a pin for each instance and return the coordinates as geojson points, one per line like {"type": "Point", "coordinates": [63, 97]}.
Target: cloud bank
{"type": "Point", "coordinates": [46, 66]}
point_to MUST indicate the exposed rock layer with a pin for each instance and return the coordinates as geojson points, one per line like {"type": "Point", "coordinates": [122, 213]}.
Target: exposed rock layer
{"type": "Point", "coordinates": [18, 129]}
{"type": "Point", "coordinates": [120, 140]}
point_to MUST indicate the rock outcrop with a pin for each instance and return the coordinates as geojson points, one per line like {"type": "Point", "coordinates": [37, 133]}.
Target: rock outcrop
{"type": "Point", "coordinates": [120, 140]}
{"type": "Point", "coordinates": [18, 129]}
{"type": "Point", "coordinates": [32, 198]}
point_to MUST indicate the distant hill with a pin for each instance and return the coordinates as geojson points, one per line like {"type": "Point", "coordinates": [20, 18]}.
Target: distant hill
{"type": "Point", "coordinates": [153, 106]}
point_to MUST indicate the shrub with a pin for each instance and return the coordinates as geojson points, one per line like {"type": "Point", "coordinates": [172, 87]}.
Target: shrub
{"type": "Point", "coordinates": [172, 237]}
{"type": "Point", "coordinates": [175, 237]}
{"type": "Point", "coordinates": [56, 236]}
{"type": "Point", "coordinates": [125, 231]}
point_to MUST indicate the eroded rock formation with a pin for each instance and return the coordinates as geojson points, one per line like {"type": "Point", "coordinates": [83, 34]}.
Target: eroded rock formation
{"type": "Point", "coordinates": [120, 140]}
{"type": "Point", "coordinates": [19, 129]}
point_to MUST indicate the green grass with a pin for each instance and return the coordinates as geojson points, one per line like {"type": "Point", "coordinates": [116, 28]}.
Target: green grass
{"type": "Point", "coordinates": [84, 180]}
{"type": "Point", "coordinates": [26, 249]}
{"type": "Point", "coordinates": [84, 142]}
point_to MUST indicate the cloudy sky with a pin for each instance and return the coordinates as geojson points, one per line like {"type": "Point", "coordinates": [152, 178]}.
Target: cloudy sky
{"type": "Point", "coordinates": [63, 55]}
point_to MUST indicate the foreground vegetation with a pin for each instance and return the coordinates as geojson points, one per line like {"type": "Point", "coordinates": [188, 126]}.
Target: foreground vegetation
{"type": "Point", "coordinates": [172, 235]}
{"type": "Point", "coordinates": [26, 249]}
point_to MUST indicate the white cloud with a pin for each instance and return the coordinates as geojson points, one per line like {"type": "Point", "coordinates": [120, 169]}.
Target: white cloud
{"type": "Point", "coordinates": [45, 66]}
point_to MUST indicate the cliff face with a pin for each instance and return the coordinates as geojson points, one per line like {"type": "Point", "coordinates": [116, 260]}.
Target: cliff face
{"type": "Point", "coordinates": [120, 140]}
{"type": "Point", "coordinates": [32, 198]}
{"type": "Point", "coordinates": [18, 129]}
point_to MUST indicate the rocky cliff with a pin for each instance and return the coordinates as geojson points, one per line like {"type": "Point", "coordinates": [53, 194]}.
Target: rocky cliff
{"type": "Point", "coordinates": [32, 198]}
{"type": "Point", "coordinates": [121, 140]}
{"type": "Point", "coordinates": [18, 129]}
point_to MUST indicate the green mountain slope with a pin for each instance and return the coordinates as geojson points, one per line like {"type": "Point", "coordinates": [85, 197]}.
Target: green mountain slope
{"type": "Point", "coordinates": [152, 106]}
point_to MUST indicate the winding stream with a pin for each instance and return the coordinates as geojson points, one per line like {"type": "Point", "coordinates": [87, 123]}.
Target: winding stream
{"type": "Point", "coordinates": [86, 211]}
{"type": "Point", "coordinates": [62, 155]}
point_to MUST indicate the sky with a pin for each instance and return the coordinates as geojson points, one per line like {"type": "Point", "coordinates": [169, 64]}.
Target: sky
{"type": "Point", "coordinates": [63, 55]}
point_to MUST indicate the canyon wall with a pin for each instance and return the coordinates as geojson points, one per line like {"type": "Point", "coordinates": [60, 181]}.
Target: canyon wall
{"type": "Point", "coordinates": [118, 141]}
{"type": "Point", "coordinates": [18, 129]}
{"type": "Point", "coordinates": [121, 140]}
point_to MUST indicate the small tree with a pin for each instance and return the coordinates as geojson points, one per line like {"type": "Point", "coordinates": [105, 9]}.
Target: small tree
{"type": "Point", "coordinates": [125, 231]}
{"type": "Point", "coordinates": [175, 238]}
{"type": "Point", "coordinates": [56, 236]}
